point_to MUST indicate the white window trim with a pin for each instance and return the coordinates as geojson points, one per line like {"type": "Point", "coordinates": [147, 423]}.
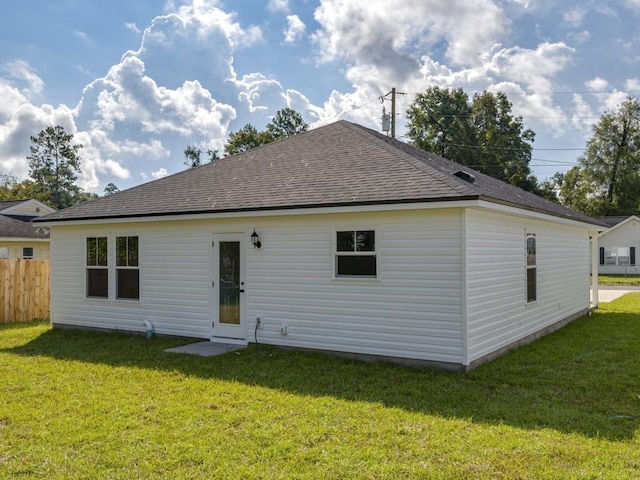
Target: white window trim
{"type": "Point", "coordinates": [117, 267]}
{"type": "Point", "coordinates": [617, 257]}
{"type": "Point", "coordinates": [97, 267]}
{"type": "Point", "coordinates": [335, 253]}
{"type": "Point", "coordinates": [530, 267]}
{"type": "Point", "coordinates": [112, 251]}
{"type": "Point", "coordinates": [29, 257]}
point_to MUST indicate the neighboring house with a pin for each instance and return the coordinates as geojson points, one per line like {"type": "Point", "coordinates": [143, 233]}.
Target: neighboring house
{"type": "Point", "coordinates": [339, 239]}
{"type": "Point", "coordinates": [619, 245]}
{"type": "Point", "coordinates": [19, 237]}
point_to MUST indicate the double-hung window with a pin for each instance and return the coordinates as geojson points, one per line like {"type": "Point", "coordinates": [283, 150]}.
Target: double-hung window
{"type": "Point", "coordinates": [620, 256]}
{"type": "Point", "coordinates": [127, 269]}
{"type": "Point", "coordinates": [532, 287]}
{"type": "Point", "coordinates": [356, 253]}
{"type": "Point", "coordinates": [97, 267]}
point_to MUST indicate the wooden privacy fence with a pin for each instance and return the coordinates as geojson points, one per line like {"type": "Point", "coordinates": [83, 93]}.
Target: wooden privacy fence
{"type": "Point", "coordinates": [24, 289]}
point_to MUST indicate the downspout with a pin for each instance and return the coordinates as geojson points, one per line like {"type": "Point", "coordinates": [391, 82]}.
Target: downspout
{"type": "Point", "coordinates": [149, 327]}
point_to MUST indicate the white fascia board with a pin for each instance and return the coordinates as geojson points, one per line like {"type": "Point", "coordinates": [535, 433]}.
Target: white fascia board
{"type": "Point", "coordinates": [270, 213]}
{"type": "Point", "coordinates": [387, 207]}
{"type": "Point", "coordinates": [521, 212]}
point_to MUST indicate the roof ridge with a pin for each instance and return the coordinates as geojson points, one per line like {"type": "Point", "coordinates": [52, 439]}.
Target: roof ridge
{"type": "Point", "coordinates": [411, 160]}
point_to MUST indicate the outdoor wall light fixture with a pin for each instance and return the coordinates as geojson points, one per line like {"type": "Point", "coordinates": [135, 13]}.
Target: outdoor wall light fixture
{"type": "Point", "coordinates": [255, 239]}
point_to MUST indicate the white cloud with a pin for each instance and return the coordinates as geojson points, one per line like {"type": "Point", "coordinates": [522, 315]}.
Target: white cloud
{"type": "Point", "coordinates": [162, 172]}
{"type": "Point", "coordinates": [295, 30]}
{"type": "Point", "coordinates": [575, 16]}
{"type": "Point", "coordinates": [131, 26]}
{"type": "Point", "coordinates": [27, 79]}
{"type": "Point", "coordinates": [598, 84]}
{"type": "Point", "coordinates": [386, 29]}
{"type": "Point", "coordinates": [206, 18]}
{"type": "Point", "coordinates": [278, 5]}
{"type": "Point", "coordinates": [532, 68]}
{"type": "Point", "coordinates": [82, 36]}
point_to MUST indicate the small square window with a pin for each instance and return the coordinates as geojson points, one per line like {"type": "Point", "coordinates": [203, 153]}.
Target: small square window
{"type": "Point", "coordinates": [27, 252]}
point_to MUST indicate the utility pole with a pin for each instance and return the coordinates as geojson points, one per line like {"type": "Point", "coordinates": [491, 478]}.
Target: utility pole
{"type": "Point", "coordinates": [393, 112]}
{"type": "Point", "coordinates": [390, 119]}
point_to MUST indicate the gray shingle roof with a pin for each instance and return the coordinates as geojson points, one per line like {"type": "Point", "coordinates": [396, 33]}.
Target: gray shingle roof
{"type": "Point", "coordinates": [4, 204]}
{"type": "Point", "coordinates": [335, 165]}
{"type": "Point", "coordinates": [613, 221]}
{"type": "Point", "coordinates": [14, 228]}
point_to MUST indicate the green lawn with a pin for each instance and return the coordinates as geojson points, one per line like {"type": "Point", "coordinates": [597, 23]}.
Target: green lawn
{"type": "Point", "coordinates": [619, 280]}
{"type": "Point", "coordinates": [84, 405]}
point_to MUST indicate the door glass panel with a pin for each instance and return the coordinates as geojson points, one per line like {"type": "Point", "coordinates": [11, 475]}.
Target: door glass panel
{"type": "Point", "coordinates": [229, 283]}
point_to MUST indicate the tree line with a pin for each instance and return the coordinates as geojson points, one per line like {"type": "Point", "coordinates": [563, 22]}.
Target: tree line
{"type": "Point", "coordinates": [480, 132]}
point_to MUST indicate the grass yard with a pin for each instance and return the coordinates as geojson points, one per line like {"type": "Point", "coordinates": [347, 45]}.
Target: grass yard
{"type": "Point", "coordinates": [77, 404]}
{"type": "Point", "coordinates": [619, 280]}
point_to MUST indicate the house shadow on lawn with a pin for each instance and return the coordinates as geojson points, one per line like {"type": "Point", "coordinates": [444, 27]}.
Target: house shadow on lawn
{"type": "Point", "coordinates": [583, 379]}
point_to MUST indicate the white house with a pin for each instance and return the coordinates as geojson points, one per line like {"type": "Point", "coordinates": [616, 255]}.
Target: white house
{"type": "Point", "coordinates": [618, 246]}
{"type": "Point", "coordinates": [19, 237]}
{"type": "Point", "coordinates": [339, 239]}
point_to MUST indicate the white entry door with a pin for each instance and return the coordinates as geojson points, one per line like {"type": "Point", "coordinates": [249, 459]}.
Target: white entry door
{"type": "Point", "coordinates": [229, 303]}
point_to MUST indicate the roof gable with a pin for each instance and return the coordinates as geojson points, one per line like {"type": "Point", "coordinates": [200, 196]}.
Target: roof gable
{"type": "Point", "coordinates": [29, 207]}
{"type": "Point", "coordinates": [618, 222]}
{"type": "Point", "coordinates": [335, 165]}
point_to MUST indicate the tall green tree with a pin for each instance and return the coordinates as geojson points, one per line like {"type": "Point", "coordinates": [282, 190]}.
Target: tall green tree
{"type": "Point", "coordinates": [13, 189]}
{"type": "Point", "coordinates": [481, 133]}
{"type": "Point", "coordinates": [609, 169]}
{"type": "Point", "coordinates": [286, 123]}
{"type": "Point", "coordinates": [110, 189]}
{"type": "Point", "coordinates": [440, 122]}
{"type": "Point", "coordinates": [192, 156]}
{"type": "Point", "coordinates": [54, 164]}
{"type": "Point", "coordinates": [504, 146]}
{"type": "Point", "coordinates": [246, 138]}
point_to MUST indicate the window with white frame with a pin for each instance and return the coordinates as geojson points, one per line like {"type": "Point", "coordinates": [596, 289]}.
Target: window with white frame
{"type": "Point", "coordinates": [4, 252]}
{"type": "Point", "coordinates": [97, 267]}
{"type": "Point", "coordinates": [127, 268]}
{"type": "Point", "coordinates": [532, 281]}
{"type": "Point", "coordinates": [27, 252]}
{"type": "Point", "coordinates": [356, 253]}
{"type": "Point", "coordinates": [621, 256]}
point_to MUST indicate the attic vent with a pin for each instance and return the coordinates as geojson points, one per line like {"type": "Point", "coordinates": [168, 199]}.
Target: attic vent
{"type": "Point", "coordinates": [467, 177]}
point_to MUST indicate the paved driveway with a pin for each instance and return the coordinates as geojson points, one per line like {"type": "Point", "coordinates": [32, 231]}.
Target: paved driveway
{"type": "Point", "coordinates": [609, 294]}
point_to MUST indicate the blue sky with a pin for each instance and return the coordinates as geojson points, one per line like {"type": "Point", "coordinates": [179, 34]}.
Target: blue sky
{"type": "Point", "coordinates": [138, 81]}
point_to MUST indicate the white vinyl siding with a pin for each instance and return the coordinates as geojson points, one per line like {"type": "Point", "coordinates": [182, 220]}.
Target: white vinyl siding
{"type": "Point", "coordinates": [14, 249]}
{"type": "Point", "coordinates": [497, 311]}
{"type": "Point", "coordinates": [411, 310]}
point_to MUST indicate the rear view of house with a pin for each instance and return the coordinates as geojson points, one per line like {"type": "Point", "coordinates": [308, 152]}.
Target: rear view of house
{"type": "Point", "coordinates": [339, 239]}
